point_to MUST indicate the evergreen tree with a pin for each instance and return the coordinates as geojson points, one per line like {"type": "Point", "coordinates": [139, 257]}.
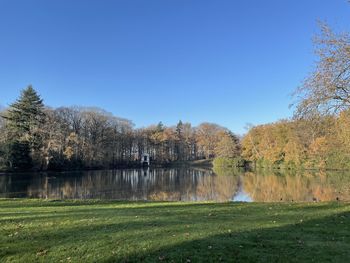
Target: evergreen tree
{"type": "Point", "coordinates": [179, 129]}
{"type": "Point", "coordinates": [179, 141]}
{"type": "Point", "coordinates": [160, 127]}
{"type": "Point", "coordinates": [19, 155]}
{"type": "Point", "coordinates": [24, 120]}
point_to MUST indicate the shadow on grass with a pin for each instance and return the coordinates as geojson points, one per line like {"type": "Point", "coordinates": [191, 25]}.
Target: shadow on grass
{"type": "Point", "coordinates": [321, 240]}
{"type": "Point", "coordinates": [144, 232]}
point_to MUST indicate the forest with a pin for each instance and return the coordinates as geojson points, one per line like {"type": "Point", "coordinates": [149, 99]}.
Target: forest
{"type": "Point", "coordinates": [318, 135]}
{"type": "Point", "coordinates": [35, 136]}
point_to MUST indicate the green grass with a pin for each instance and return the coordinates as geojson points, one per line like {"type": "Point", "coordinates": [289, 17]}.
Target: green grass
{"type": "Point", "coordinates": [98, 231]}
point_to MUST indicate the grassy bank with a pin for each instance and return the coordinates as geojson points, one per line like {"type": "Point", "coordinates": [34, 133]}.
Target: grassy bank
{"type": "Point", "coordinates": [97, 231]}
{"type": "Point", "coordinates": [206, 163]}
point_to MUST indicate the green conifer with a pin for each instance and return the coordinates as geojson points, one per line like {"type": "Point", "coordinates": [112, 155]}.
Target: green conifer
{"type": "Point", "coordinates": [24, 119]}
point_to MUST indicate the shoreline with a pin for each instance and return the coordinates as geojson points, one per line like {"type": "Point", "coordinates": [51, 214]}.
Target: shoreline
{"type": "Point", "coordinates": [194, 164]}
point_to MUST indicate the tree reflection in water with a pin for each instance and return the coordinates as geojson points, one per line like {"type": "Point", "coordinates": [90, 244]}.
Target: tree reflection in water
{"type": "Point", "coordinates": [180, 184]}
{"type": "Point", "coordinates": [297, 186]}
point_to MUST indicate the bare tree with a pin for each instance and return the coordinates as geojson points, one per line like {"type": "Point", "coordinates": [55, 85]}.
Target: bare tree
{"type": "Point", "coordinates": [327, 89]}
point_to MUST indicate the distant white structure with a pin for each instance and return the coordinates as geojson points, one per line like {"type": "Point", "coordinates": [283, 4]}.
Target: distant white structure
{"type": "Point", "coordinates": [145, 159]}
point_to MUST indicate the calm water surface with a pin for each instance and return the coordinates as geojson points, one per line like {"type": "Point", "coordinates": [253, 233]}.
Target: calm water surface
{"type": "Point", "coordinates": [180, 184]}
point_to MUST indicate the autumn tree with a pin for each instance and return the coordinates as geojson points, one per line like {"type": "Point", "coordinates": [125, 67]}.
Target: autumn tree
{"type": "Point", "coordinates": [80, 137]}
{"type": "Point", "coordinates": [250, 144]}
{"type": "Point", "coordinates": [207, 138]}
{"type": "Point", "coordinates": [327, 89]}
{"type": "Point", "coordinates": [228, 145]}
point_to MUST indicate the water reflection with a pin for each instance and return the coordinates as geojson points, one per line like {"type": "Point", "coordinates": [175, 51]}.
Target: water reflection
{"type": "Point", "coordinates": [182, 184]}
{"type": "Point", "coordinates": [149, 184]}
{"type": "Point", "coordinates": [297, 186]}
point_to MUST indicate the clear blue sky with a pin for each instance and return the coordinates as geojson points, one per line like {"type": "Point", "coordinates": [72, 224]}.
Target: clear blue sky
{"type": "Point", "coordinates": [226, 61]}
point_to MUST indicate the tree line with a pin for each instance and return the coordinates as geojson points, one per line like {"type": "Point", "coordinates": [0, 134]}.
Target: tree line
{"type": "Point", "coordinates": [318, 136]}
{"type": "Point", "coordinates": [34, 136]}
{"type": "Point", "coordinates": [321, 143]}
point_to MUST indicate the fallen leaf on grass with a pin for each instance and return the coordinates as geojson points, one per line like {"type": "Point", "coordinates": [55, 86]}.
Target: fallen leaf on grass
{"type": "Point", "coordinates": [42, 252]}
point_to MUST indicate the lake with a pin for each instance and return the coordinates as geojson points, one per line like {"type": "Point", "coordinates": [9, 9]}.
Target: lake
{"type": "Point", "coordinates": [179, 184]}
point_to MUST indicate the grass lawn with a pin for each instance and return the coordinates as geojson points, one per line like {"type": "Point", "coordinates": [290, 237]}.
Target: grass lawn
{"type": "Point", "coordinates": [99, 231]}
